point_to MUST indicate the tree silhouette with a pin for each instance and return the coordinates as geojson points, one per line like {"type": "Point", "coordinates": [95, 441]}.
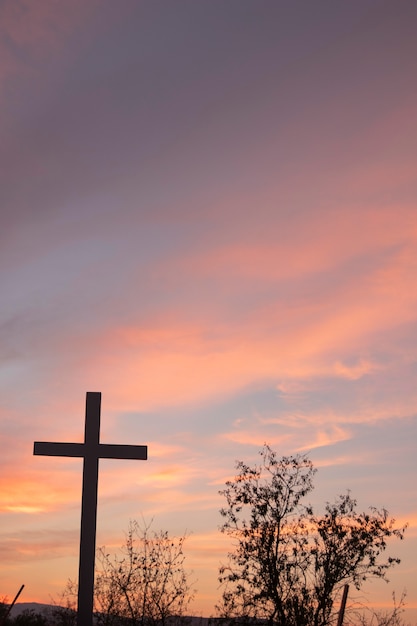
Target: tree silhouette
{"type": "Point", "coordinates": [289, 564]}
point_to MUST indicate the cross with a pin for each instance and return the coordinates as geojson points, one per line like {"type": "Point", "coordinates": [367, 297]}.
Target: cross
{"type": "Point", "coordinates": [90, 451]}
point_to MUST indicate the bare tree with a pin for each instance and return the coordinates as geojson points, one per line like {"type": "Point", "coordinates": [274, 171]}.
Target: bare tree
{"type": "Point", "coordinates": [63, 612]}
{"type": "Point", "coordinates": [289, 565]}
{"type": "Point", "coordinates": [146, 582]}
{"type": "Point", "coordinates": [392, 617]}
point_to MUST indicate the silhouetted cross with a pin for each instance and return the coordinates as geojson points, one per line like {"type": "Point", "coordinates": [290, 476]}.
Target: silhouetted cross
{"type": "Point", "coordinates": [91, 451]}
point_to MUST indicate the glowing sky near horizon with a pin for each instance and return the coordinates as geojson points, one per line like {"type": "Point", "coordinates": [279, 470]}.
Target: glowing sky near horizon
{"type": "Point", "coordinates": [208, 213]}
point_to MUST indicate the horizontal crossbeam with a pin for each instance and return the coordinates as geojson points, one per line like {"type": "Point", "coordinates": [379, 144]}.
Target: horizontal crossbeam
{"type": "Point", "coordinates": [100, 451]}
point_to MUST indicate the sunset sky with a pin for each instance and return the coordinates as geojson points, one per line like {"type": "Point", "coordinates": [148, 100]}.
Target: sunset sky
{"type": "Point", "coordinates": [208, 213]}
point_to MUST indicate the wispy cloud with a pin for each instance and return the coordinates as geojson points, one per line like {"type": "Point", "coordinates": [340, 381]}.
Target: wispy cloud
{"type": "Point", "coordinates": [34, 545]}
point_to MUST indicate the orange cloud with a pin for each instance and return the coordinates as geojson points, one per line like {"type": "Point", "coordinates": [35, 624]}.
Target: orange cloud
{"type": "Point", "coordinates": [302, 433]}
{"type": "Point", "coordinates": [45, 485]}
{"type": "Point", "coordinates": [332, 435]}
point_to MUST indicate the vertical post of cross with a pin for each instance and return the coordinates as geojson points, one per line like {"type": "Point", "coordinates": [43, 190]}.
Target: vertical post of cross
{"type": "Point", "coordinates": [89, 508]}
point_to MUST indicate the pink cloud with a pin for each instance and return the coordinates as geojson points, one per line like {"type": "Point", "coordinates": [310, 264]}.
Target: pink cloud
{"type": "Point", "coordinates": [356, 371]}
{"type": "Point", "coordinates": [34, 545]}
{"type": "Point", "coordinates": [40, 30]}
{"type": "Point", "coordinates": [172, 361]}
{"type": "Point", "coordinates": [330, 436]}
{"type": "Point", "coordinates": [322, 241]}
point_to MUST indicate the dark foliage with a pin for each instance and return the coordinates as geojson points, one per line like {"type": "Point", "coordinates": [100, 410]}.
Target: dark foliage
{"type": "Point", "coordinates": [289, 564]}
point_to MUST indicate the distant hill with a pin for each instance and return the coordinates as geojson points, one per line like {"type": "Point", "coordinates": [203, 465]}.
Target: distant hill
{"type": "Point", "coordinates": [37, 607]}
{"type": "Point", "coordinates": [43, 609]}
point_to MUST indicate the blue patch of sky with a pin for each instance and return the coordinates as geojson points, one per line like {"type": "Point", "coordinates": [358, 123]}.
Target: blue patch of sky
{"type": "Point", "coordinates": [205, 419]}
{"type": "Point", "coordinates": [379, 459]}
